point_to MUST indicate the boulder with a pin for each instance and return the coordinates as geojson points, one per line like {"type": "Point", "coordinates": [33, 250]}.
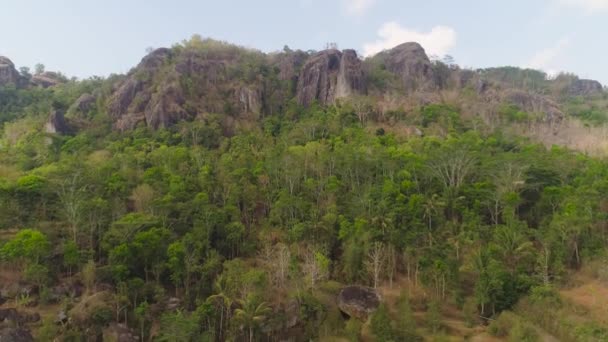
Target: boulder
{"type": "Point", "coordinates": [329, 75]}
{"type": "Point", "coordinates": [411, 65]}
{"type": "Point", "coordinates": [47, 79]}
{"type": "Point", "coordinates": [15, 335]}
{"type": "Point", "coordinates": [8, 74]}
{"type": "Point", "coordinates": [358, 301]}
{"type": "Point", "coordinates": [582, 87]}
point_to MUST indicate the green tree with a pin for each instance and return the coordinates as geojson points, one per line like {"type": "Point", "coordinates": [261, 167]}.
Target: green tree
{"type": "Point", "coordinates": [251, 314]}
{"type": "Point", "coordinates": [28, 245]}
{"type": "Point", "coordinates": [382, 325]}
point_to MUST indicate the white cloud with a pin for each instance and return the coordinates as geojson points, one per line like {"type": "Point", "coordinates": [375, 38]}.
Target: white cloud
{"type": "Point", "coordinates": [438, 41]}
{"type": "Point", "coordinates": [545, 58]}
{"type": "Point", "coordinates": [589, 6]}
{"type": "Point", "coordinates": [357, 7]}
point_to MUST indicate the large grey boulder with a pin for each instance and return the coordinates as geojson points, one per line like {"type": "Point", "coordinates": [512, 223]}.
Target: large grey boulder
{"type": "Point", "coordinates": [358, 301]}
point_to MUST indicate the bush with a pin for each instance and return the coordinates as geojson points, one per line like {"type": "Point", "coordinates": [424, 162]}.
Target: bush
{"type": "Point", "coordinates": [381, 324]}
{"type": "Point", "coordinates": [501, 326]}
{"type": "Point", "coordinates": [353, 330]}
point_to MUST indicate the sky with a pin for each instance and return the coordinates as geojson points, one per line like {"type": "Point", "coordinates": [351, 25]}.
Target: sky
{"type": "Point", "coordinates": [83, 38]}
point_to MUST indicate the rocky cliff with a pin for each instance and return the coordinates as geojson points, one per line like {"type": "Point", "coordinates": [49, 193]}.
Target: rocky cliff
{"type": "Point", "coordinates": [329, 75]}
{"type": "Point", "coordinates": [8, 74]}
{"type": "Point", "coordinates": [411, 65]}
{"type": "Point", "coordinates": [196, 79]}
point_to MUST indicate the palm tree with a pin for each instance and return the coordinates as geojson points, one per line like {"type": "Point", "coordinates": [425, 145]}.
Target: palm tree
{"type": "Point", "coordinates": [222, 297]}
{"type": "Point", "coordinates": [251, 314]}
{"type": "Point", "coordinates": [431, 208]}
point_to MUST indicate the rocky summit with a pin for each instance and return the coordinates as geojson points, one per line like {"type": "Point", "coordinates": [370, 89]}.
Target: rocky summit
{"type": "Point", "coordinates": [8, 73]}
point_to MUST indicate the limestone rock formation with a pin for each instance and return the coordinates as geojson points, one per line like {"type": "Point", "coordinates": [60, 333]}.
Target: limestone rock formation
{"type": "Point", "coordinates": [8, 74]}
{"type": "Point", "coordinates": [534, 103]}
{"type": "Point", "coordinates": [358, 301]}
{"type": "Point", "coordinates": [582, 87]}
{"type": "Point", "coordinates": [83, 105]}
{"type": "Point", "coordinates": [56, 123]}
{"type": "Point", "coordinates": [330, 75]}
{"type": "Point", "coordinates": [411, 64]}
{"type": "Point", "coordinates": [168, 87]}
{"type": "Point", "coordinates": [47, 79]}
{"type": "Point", "coordinates": [289, 64]}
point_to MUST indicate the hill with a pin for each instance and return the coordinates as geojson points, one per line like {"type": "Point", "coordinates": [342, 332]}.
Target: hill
{"type": "Point", "coordinates": [221, 193]}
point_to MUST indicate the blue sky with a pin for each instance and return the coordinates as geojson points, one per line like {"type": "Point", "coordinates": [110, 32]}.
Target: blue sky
{"type": "Point", "coordinates": [88, 37]}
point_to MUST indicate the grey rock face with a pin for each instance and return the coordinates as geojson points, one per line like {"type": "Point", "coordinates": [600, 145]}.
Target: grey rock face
{"type": "Point", "coordinates": [83, 105]}
{"type": "Point", "coordinates": [411, 64]}
{"type": "Point", "coordinates": [330, 75]}
{"type": "Point", "coordinates": [56, 123]}
{"type": "Point", "coordinates": [582, 87]}
{"type": "Point", "coordinates": [47, 79]}
{"type": "Point", "coordinates": [534, 103]}
{"type": "Point", "coordinates": [8, 74]}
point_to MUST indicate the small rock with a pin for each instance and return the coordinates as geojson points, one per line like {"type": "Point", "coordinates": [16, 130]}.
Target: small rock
{"type": "Point", "coordinates": [173, 303]}
{"type": "Point", "coordinates": [62, 317]}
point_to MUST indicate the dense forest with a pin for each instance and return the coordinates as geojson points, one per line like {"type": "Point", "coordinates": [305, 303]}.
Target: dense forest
{"type": "Point", "coordinates": [206, 224]}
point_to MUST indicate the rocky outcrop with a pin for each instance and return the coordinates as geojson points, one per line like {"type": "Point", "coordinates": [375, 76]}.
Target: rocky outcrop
{"type": "Point", "coordinates": [168, 87]}
{"type": "Point", "coordinates": [128, 103]}
{"type": "Point", "coordinates": [289, 64]}
{"type": "Point", "coordinates": [8, 74]}
{"type": "Point", "coordinates": [533, 103]}
{"type": "Point", "coordinates": [330, 75]}
{"type": "Point", "coordinates": [358, 301]}
{"type": "Point", "coordinates": [47, 79]}
{"type": "Point", "coordinates": [411, 65]}
{"type": "Point", "coordinates": [83, 105]}
{"type": "Point", "coordinates": [582, 87]}
{"type": "Point", "coordinates": [15, 335]}
{"type": "Point", "coordinates": [56, 123]}
{"type": "Point", "coordinates": [249, 100]}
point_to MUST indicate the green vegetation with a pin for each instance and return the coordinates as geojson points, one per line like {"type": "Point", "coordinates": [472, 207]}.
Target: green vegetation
{"type": "Point", "coordinates": [193, 233]}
